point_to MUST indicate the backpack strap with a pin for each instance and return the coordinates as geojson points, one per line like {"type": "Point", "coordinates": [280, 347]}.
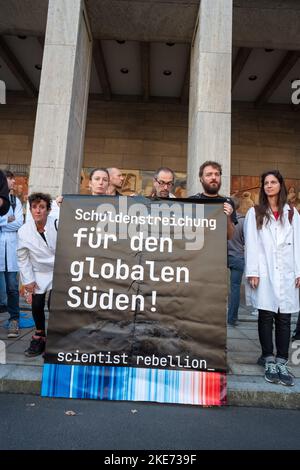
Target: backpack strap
{"type": "Point", "coordinates": [291, 213]}
{"type": "Point", "coordinates": [13, 202]}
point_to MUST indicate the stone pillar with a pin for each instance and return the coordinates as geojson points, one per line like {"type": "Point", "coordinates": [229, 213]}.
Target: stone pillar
{"type": "Point", "coordinates": [62, 105]}
{"type": "Point", "coordinates": [210, 92]}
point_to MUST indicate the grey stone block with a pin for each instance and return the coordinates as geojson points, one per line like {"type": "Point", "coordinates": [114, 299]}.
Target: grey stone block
{"type": "Point", "coordinates": [20, 379]}
{"type": "Point", "coordinates": [255, 391]}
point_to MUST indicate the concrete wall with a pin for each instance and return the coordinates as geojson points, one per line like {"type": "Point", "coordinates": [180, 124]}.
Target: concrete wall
{"type": "Point", "coordinates": [210, 97]}
{"type": "Point", "coordinates": [58, 144]}
{"type": "Point", "coordinates": [142, 136]}
{"type": "Point", "coordinates": [16, 133]}
{"type": "Point", "coordinates": [264, 139]}
{"type": "Point", "coordinates": [137, 136]}
{"type": "Point", "coordinates": [145, 136]}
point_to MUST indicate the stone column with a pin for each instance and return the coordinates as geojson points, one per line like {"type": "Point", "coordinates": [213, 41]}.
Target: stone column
{"type": "Point", "coordinates": [62, 105]}
{"type": "Point", "coordinates": [210, 92]}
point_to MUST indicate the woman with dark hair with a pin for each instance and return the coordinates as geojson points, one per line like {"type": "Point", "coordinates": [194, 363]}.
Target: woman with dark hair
{"type": "Point", "coordinates": [99, 181]}
{"type": "Point", "coordinates": [98, 185]}
{"type": "Point", "coordinates": [272, 268]}
{"type": "Point", "coordinates": [36, 253]}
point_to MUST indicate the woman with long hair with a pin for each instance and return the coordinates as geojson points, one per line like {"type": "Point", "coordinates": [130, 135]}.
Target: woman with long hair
{"type": "Point", "coordinates": [272, 269]}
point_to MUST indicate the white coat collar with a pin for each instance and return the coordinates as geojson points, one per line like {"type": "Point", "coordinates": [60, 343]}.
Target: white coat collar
{"type": "Point", "coordinates": [50, 232]}
{"type": "Point", "coordinates": [279, 230]}
{"type": "Point", "coordinates": [286, 208]}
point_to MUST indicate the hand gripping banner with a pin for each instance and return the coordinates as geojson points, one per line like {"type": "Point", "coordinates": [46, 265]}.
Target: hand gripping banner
{"type": "Point", "coordinates": [138, 308]}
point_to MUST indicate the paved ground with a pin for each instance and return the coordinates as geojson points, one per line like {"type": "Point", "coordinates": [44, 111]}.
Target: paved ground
{"type": "Point", "coordinates": [34, 423]}
{"type": "Point", "coordinates": [246, 385]}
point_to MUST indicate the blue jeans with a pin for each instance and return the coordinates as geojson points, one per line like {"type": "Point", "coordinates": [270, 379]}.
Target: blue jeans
{"type": "Point", "coordinates": [3, 296]}
{"type": "Point", "coordinates": [12, 292]}
{"type": "Point", "coordinates": [236, 266]}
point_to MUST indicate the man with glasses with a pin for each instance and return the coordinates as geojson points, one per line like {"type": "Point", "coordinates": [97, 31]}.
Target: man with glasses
{"type": "Point", "coordinates": [163, 182]}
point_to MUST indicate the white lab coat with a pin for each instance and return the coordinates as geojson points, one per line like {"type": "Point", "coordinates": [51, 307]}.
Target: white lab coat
{"type": "Point", "coordinates": [273, 254]}
{"type": "Point", "coordinates": [8, 238]}
{"type": "Point", "coordinates": [35, 257]}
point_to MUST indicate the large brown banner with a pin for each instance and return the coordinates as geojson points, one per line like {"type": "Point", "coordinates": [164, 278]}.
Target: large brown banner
{"type": "Point", "coordinates": [139, 283]}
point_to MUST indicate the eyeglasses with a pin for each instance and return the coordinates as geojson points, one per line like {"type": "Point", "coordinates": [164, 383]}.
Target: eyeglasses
{"type": "Point", "coordinates": [164, 183]}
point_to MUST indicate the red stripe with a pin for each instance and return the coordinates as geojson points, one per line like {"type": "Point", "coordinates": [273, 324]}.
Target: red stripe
{"type": "Point", "coordinates": [215, 389]}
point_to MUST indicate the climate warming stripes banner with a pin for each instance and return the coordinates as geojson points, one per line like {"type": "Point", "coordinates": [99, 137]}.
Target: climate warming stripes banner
{"type": "Point", "coordinates": [138, 308]}
{"type": "Point", "coordinates": [129, 383]}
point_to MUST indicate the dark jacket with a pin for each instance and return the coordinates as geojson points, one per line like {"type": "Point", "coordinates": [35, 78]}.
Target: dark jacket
{"type": "Point", "coordinates": [236, 244]}
{"type": "Point", "coordinates": [218, 198]}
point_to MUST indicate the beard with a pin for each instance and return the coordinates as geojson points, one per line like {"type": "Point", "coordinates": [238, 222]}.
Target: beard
{"type": "Point", "coordinates": [209, 189]}
{"type": "Point", "coordinates": [162, 193]}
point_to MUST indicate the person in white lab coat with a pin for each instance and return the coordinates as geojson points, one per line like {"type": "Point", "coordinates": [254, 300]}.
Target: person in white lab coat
{"type": "Point", "coordinates": [36, 252]}
{"type": "Point", "coordinates": [9, 226]}
{"type": "Point", "coordinates": [4, 194]}
{"type": "Point", "coordinates": [272, 268]}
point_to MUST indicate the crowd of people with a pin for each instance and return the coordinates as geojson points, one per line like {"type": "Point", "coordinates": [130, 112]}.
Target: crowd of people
{"type": "Point", "coordinates": [264, 246]}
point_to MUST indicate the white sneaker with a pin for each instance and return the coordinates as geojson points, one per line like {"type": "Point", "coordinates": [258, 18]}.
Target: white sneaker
{"type": "Point", "coordinates": [285, 376]}
{"type": "Point", "coordinates": [13, 329]}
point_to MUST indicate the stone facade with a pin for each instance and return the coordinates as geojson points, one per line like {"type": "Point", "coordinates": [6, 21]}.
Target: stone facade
{"type": "Point", "coordinates": [16, 134]}
{"type": "Point", "coordinates": [141, 136]}
{"type": "Point", "coordinates": [146, 136]}
{"type": "Point", "coordinates": [265, 139]}
{"type": "Point", "coordinates": [210, 97]}
{"type": "Point", "coordinates": [57, 152]}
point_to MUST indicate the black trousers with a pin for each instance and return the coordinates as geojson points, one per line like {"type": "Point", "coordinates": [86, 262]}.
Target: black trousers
{"type": "Point", "coordinates": [38, 309]}
{"type": "Point", "coordinates": [282, 322]}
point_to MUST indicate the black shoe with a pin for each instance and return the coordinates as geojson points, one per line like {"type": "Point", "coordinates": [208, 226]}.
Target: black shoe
{"type": "Point", "coordinates": [3, 308]}
{"type": "Point", "coordinates": [271, 373]}
{"type": "Point", "coordinates": [261, 361]}
{"type": "Point", "coordinates": [37, 347]}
